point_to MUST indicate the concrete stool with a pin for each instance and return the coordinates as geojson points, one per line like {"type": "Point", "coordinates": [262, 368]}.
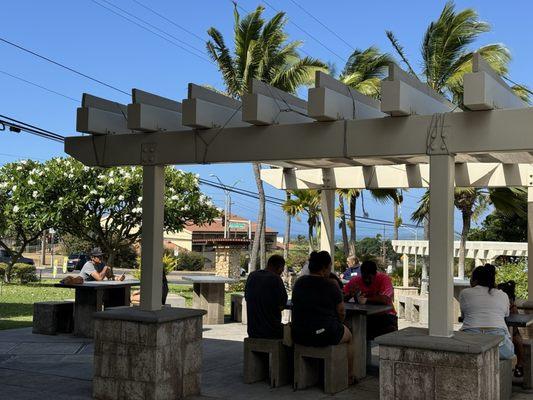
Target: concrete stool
{"type": "Point", "coordinates": [528, 364]}
{"type": "Point", "coordinates": [506, 379]}
{"type": "Point", "coordinates": [52, 317]}
{"type": "Point", "coordinates": [175, 300]}
{"type": "Point", "coordinates": [308, 362]}
{"type": "Point", "coordinates": [236, 307]}
{"type": "Point", "coordinates": [266, 358]}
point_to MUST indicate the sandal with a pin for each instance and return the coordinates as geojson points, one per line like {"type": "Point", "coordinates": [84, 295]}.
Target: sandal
{"type": "Point", "coordinates": [519, 372]}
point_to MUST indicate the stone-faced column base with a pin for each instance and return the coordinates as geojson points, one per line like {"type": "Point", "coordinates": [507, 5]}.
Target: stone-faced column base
{"type": "Point", "coordinates": [414, 365]}
{"type": "Point", "coordinates": [147, 354]}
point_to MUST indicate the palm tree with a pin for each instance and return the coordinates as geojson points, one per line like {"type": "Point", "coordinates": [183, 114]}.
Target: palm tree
{"type": "Point", "coordinates": [471, 202]}
{"type": "Point", "coordinates": [446, 56]}
{"type": "Point", "coordinates": [365, 69]}
{"type": "Point", "coordinates": [287, 236]}
{"type": "Point", "coordinates": [341, 214]}
{"type": "Point", "coordinates": [261, 51]}
{"type": "Point", "coordinates": [305, 201]}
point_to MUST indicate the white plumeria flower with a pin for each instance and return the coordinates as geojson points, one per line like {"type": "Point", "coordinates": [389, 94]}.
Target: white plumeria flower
{"type": "Point", "coordinates": [175, 197]}
{"type": "Point", "coordinates": [139, 199]}
{"type": "Point", "coordinates": [15, 208]}
{"type": "Point", "coordinates": [85, 186]}
{"type": "Point", "coordinates": [24, 161]}
{"type": "Point", "coordinates": [61, 199]}
{"type": "Point", "coordinates": [31, 182]}
{"type": "Point", "coordinates": [35, 193]}
{"type": "Point", "coordinates": [111, 181]}
{"type": "Point", "coordinates": [111, 173]}
{"type": "Point", "coordinates": [19, 168]}
{"type": "Point", "coordinates": [101, 200]}
{"type": "Point", "coordinates": [14, 188]}
{"type": "Point", "coordinates": [121, 197]}
{"type": "Point", "coordinates": [3, 185]}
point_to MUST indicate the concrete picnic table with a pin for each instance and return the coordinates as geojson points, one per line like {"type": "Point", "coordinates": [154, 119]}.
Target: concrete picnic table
{"type": "Point", "coordinates": [94, 296]}
{"type": "Point", "coordinates": [208, 294]}
{"type": "Point", "coordinates": [519, 320]}
{"type": "Point", "coordinates": [356, 318]}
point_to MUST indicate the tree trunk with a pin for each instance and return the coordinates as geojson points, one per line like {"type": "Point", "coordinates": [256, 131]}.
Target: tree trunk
{"type": "Point", "coordinates": [345, 244]}
{"type": "Point", "coordinates": [12, 261]}
{"type": "Point", "coordinates": [310, 236]}
{"type": "Point", "coordinates": [262, 259]}
{"type": "Point", "coordinates": [287, 236]}
{"type": "Point", "coordinates": [395, 233]}
{"type": "Point", "coordinates": [261, 213]}
{"type": "Point", "coordinates": [43, 249]}
{"type": "Point", "coordinates": [353, 232]}
{"type": "Point", "coordinates": [467, 219]}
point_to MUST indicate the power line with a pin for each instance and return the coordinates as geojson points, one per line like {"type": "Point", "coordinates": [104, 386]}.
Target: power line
{"type": "Point", "coordinates": [169, 20]}
{"type": "Point", "coordinates": [39, 86]}
{"type": "Point", "coordinates": [321, 23]}
{"type": "Point", "coordinates": [308, 34]}
{"type": "Point", "coordinates": [151, 31]}
{"type": "Point", "coordinates": [63, 66]}
{"type": "Point", "coordinates": [18, 126]}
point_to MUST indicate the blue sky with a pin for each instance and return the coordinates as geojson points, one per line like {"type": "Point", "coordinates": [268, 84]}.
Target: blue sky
{"type": "Point", "coordinates": [91, 39]}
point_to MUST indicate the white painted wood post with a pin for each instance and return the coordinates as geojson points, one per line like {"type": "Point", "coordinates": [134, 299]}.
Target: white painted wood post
{"type": "Point", "coordinates": [152, 237]}
{"type": "Point", "coordinates": [530, 243]}
{"type": "Point", "coordinates": [405, 259]}
{"type": "Point", "coordinates": [327, 221]}
{"type": "Point", "coordinates": [442, 171]}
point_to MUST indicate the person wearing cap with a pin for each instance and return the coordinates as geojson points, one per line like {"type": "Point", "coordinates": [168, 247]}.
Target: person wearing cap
{"type": "Point", "coordinates": [94, 269]}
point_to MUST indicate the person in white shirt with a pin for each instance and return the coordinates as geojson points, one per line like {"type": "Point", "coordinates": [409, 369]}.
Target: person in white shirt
{"type": "Point", "coordinates": [484, 308]}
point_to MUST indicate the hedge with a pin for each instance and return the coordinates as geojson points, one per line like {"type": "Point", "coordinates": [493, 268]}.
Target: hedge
{"type": "Point", "coordinates": [24, 273]}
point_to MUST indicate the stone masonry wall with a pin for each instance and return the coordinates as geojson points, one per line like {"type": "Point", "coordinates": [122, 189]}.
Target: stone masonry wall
{"type": "Point", "coordinates": [408, 373]}
{"type": "Point", "coordinates": [136, 360]}
{"type": "Point", "coordinates": [227, 261]}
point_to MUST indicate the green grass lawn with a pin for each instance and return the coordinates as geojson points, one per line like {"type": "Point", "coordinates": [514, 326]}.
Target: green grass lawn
{"type": "Point", "coordinates": [16, 301]}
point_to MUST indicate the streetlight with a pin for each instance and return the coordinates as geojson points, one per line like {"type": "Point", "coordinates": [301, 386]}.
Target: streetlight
{"type": "Point", "coordinates": [227, 202]}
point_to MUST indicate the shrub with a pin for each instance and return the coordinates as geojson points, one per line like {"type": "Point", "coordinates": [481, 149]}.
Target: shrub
{"type": "Point", "coordinates": [169, 264]}
{"type": "Point", "coordinates": [297, 258]}
{"type": "Point", "coordinates": [189, 261]}
{"type": "Point", "coordinates": [514, 272]}
{"type": "Point", "coordinates": [238, 286]}
{"type": "Point", "coordinates": [24, 273]}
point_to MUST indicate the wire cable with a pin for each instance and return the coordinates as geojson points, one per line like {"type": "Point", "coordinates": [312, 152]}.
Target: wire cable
{"type": "Point", "coordinates": [63, 66]}
{"type": "Point", "coordinates": [39, 86]}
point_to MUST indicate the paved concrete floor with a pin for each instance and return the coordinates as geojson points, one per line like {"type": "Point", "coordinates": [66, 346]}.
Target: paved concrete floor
{"type": "Point", "coordinates": [60, 368]}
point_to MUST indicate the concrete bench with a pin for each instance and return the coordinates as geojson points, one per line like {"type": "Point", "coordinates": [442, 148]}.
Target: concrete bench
{"type": "Point", "coordinates": [312, 362]}
{"type": "Point", "coordinates": [175, 300]}
{"type": "Point", "coordinates": [266, 359]}
{"type": "Point", "coordinates": [506, 379]}
{"type": "Point", "coordinates": [401, 306]}
{"type": "Point", "coordinates": [52, 317]}
{"type": "Point", "coordinates": [237, 307]}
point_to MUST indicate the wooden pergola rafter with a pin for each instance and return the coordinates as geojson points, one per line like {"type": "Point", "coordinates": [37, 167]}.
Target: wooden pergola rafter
{"type": "Point", "coordinates": [338, 138]}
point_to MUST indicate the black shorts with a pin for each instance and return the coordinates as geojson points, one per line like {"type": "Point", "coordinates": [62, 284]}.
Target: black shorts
{"type": "Point", "coordinates": [377, 325]}
{"type": "Point", "coordinates": [327, 336]}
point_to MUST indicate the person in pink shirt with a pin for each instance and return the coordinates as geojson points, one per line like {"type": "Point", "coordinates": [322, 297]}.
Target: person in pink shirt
{"type": "Point", "coordinates": [373, 287]}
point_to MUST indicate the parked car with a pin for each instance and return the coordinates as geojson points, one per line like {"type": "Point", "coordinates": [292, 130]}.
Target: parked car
{"type": "Point", "coordinates": [5, 257]}
{"type": "Point", "coordinates": [76, 261]}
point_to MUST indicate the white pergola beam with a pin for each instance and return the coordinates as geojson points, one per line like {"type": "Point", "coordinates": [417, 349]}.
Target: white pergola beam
{"type": "Point", "coordinates": [530, 242]}
{"type": "Point", "coordinates": [152, 113]}
{"type": "Point", "coordinates": [100, 116]}
{"type": "Point", "coordinates": [484, 89]}
{"type": "Point", "coordinates": [403, 94]}
{"type": "Point", "coordinates": [206, 109]}
{"type": "Point", "coordinates": [266, 105]}
{"type": "Point", "coordinates": [463, 133]}
{"type": "Point", "coordinates": [398, 176]}
{"type": "Point", "coordinates": [332, 100]}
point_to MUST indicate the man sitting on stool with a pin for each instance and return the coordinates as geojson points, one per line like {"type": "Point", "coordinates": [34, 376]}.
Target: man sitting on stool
{"type": "Point", "coordinates": [373, 287]}
{"type": "Point", "coordinates": [266, 297]}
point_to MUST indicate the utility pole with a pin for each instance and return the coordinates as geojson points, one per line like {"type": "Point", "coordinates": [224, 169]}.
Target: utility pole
{"type": "Point", "coordinates": [227, 202]}
{"type": "Point", "coordinates": [383, 250]}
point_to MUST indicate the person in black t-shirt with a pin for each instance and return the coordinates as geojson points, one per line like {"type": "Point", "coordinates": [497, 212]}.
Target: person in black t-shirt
{"type": "Point", "coordinates": [318, 307]}
{"type": "Point", "coordinates": [266, 297]}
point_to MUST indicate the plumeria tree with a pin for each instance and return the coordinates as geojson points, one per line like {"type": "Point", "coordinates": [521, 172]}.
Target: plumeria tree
{"type": "Point", "coordinates": [26, 196]}
{"type": "Point", "coordinates": [104, 206]}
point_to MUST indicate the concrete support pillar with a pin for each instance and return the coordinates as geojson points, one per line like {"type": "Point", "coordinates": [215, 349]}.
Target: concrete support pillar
{"type": "Point", "coordinates": [530, 243]}
{"type": "Point", "coordinates": [405, 259]}
{"type": "Point", "coordinates": [327, 222]}
{"type": "Point", "coordinates": [152, 237]}
{"type": "Point", "coordinates": [442, 171]}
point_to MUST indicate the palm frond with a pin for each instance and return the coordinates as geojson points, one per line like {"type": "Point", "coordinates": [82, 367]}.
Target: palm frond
{"type": "Point", "coordinates": [399, 49]}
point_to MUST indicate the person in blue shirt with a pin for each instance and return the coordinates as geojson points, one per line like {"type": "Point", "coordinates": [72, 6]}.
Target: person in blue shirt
{"type": "Point", "coordinates": [354, 268]}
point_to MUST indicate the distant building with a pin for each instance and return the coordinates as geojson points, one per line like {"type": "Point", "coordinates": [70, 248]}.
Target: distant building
{"type": "Point", "coordinates": [200, 238]}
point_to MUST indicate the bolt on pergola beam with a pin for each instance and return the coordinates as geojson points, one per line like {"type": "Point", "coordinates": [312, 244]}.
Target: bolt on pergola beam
{"type": "Point", "coordinates": [397, 176]}
{"type": "Point", "coordinates": [484, 89]}
{"type": "Point", "coordinates": [403, 94]}
{"type": "Point", "coordinates": [332, 100]}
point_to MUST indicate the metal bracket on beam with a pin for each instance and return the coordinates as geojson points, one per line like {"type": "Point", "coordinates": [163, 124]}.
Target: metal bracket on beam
{"type": "Point", "coordinates": [99, 116]}
{"type": "Point", "coordinates": [484, 89]}
{"type": "Point", "coordinates": [266, 105]}
{"type": "Point", "coordinates": [332, 100]}
{"type": "Point", "coordinates": [205, 109]}
{"type": "Point", "coordinates": [152, 113]}
{"type": "Point", "coordinates": [148, 154]}
{"type": "Point", "coordinates": [403, 94]}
